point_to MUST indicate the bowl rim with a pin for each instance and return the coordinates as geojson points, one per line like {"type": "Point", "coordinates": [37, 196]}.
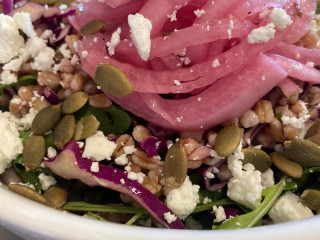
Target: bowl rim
{"type": "Point", "coordinates": [48, 222]}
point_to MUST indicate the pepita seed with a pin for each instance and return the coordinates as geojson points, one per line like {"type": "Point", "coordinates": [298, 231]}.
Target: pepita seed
{"type": "Point", "coordinates": [46, 119]}
{"type": "Point", "coordinates": [258, 158]}
{"type": "Point", "coordinates": [112, 80]}
{"type": "Point", "coordinates": [92, 27]}
{"type": "Point", "coordinates": [287, 166]}
{"type": "Point", "coordinates": [315, 139]}
{"type": "Point", "coordinates": [44, 2]}
{"type": "Point", "coordinates": [227, 140]}
{"type": "Point", "coordinates": [311, 198]}
{"type": "Point", "coordinates": [55, 196]}
{"type": "Point", "coordinates": [303, 151]}
{"type": "Point", "coordinates": [33, 152]}
{"type": "Point", "coordinates": [74, 102]}
{"type": "Point", "coordinates": [27, 192]}
{"type": "Point", "coordinates": [64, 131]}
{"type": "Point", "coordinates": [175, 166]}
{"type": "Point", "coordinates": [86, 127]}
{"type": "Point", "coordinates": [313, 130]}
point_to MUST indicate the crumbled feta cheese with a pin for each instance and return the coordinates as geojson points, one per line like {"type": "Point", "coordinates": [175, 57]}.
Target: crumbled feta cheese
{"type": "Point", "coordinates": [10, 143]}
{"type": "Point", "coordinates": [206, 200]}
{"type": "Point", "coordinates": [121, 160]}
{"type": "Point", "coordinates": [262, 34]}
{"type": "Point", "coordinates": [46, 34]}
{"type": "Point", "coordinates": [13, 65]}
{"type": "Point", "coordinates": [183, 200]}
{"type": "Point", "coordinates": [220, 214]}
{"type": "Point", "coordinates": [122, 181]}
{"type": "Point", "coordinates": [199, 12]}
{"type": "Point", "coordinates": [173, 16]}
{"type": "Point", "coordinates": [52, 153]}
{"type": "Point", "coordinates": [98, 147]}
{"type": "Point", "coordinates": [136, 176]}
{"type": "Point", "coordinates": [66, 53]}
{"type": "Point", "coordinates": [215, 63]}
{"type": "Point", "coordinates": [169, 217]}
{"type": "Point", "coordinates": [245, 185]}
{"type": "Point", "coordinates": [24, 22]}
{"type": "Point", "coordinates": [267, 179]}
{"type": "Point", "coordinates": [289, 208]}
{"type": "Point", "coordinates": [10, 40]}
{"type": "Point", "coordinates": [209, 175]}
{"type": "Point", "coordinates": [94, 167]}
{"type": "Point", "coordinates": [300, 121]}
{"type": "Point", "coordinates": [176, 82]}
{"type": "Point", "coordinates": [140, 28]}
{"type": "Point", "coordinates": [46, 181]}
{"type": "Point", "coordinates": [280, 18]}
{"type": "Point", "coordinates": [310, 64]}
{"type": "Point", "coordinates": [129, 149]}
{"type": "Point", "coordinates": [84, 54]}
{"type": "Point", "coordinates": [75, 60]}
{"type": "Point", "coordinates": [115, 40]}
{"type": "Point", "coordinates": [7, 77]}
{"type": "Point", "coordinates": [44, 60]}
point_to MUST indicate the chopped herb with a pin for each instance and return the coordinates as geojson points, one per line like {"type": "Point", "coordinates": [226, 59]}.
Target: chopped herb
{"type": "Point", "coordinates": [278, 115]}
{"type": "Point", "coordinates": [134, 218]}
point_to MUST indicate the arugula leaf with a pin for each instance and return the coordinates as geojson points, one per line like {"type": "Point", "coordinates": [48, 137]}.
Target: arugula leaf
{"type": "Point", "coordinates": [134, 218]}
{"type": "Point", "coordinates": [49, 140]}
{"type": "Point", "coordinates": [24, 135]}
{"type": "Point", "coordinates": [252, 218]}
{"type": "Point", "coordinates": [112, 120]}
{"type": "Point", "coordinates": [293, 184]}
{"type": "Point", "coordinates": [98, 217]}
{"type": "Point", "coordinates": [214, 196]}
{"type": "Point", "coordinates": [22, 81]}
{"type": "Point", "coordinates": [32, 178]}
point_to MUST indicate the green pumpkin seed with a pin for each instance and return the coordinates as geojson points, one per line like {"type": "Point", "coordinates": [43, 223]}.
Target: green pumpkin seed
{"type": "Point", "coordinates": [315, 139]}
{"type": "Point", "coordinates": [311, 198]}
{"type": "Point", "coordinates": [175, 166]}
{"type": "Point", "coordinates": [86, 127]}
{"type": "Point", "coordinates": [227, 141]}
{"type": "Point", "coordinates": [33, 152]}
{"type": "Point", "coordinates": [92, 27]}
{"type": "Point", "coordinates": [112, 80]}
{"type": "Point", "coordinates": [313, 130]}
{"type": "Point", "coordinates": [74, 102]}
{"type": "Point", "coordinates": [64, 131]}
{"type": "Point", "coordinates": [55, 196]}
{"type": "Point", "coordinates": [46, 119]}
{"type": "Point", "coordinates": [258, 158]}
{"type": "Point", "coordinates": [287, 166]}
{"type": "Point", "coordinates": [304, 152]}
{"type": "Point", "coordinates": [28, 193]}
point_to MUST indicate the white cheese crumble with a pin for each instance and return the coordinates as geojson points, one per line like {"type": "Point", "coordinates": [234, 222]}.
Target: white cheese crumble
{"type": "Point", "coordinates": [66, 53]}
{"type": "Point", "coordinates": [262, 34]}
{"type": "Point", "coordinates": [122, 159]}
{"type": "Point", "coordinates": [169, 217]}
{"type": "Point", "coordinates": [215, 63]}
{"type": "Point", "coordinates": [206, 200]}
{"type": "Point", "coordinates": [267, 179]}
{"type": "Point", "coordinates": [84, 54]}
{"type": "Point", "coordinates": [173, 16]}
{"type": "Point", "coordinates": [199, 12]}
{"type": "Point", "coordinates": [10, 143]}
{"type": "Point", "coordinates": [220, 214]}
{"type": "Point", "coordinates": [245, 185]}
{"type": "Point", "coordinates": [94, 167]}
{"type": "Point", "coordinates": [115, 40]}
{"type": "Point", "coordinates": [183, 200]}
{"type": "Point", "coordinates": [52, 153]}
{"type": "Point", "coordinates": [122, 181]}
{"type": "Point", "coordinates": [46, 181]}
{"type": "Point", "coordinates": [300, 121]}
{"type": "Point", "coordinates": [10, 39]}
{"type": "Point", "coordinates": [140, 28]}
{"type": "Point", "coordinates": [280, 18]}
{"type": "Point", "coordinates": [209, 175]}
{"type": "Point", "coordinates": [98, 147]}
{"type": "Point", "coordinates": [289, 208]}
{"type": "Point", "coordinates": [136, 176]}
{"type": "Point", "coordinates": [24, 22]}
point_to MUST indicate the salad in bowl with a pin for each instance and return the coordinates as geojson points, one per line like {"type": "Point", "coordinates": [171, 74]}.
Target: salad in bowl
{"type": "Point", "coordinates": [190, 114]}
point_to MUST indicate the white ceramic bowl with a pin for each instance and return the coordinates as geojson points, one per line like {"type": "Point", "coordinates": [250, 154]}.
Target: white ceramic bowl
{"type": "Point", "coordinates": [33, 221]}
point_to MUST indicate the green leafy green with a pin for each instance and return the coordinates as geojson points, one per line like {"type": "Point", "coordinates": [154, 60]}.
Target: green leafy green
{"type": "Point", "coordinates": [252, 218]}
{"type": "Point", "coordinates": [88, 207]}
{"type": "Point", "coordinates": [22, 81]}
{"type": "Point", "coordinates": [293, 184]}
{"type": "Point", "coordinates": [49, 140]}
{"type": "Point", "coordinates": [32, 178]}
{"type": "Point", "coordinates": [24, 135]}
{"type": "Point", "coordinates": [18, 164]}
{"type": "Point", "coordinates": [214, 196]}
{"type": "Point", "coordinates": [134, 218]}
{"type": "Point", "coordinates": [318, 6]}
{"type": "Point", "coordinates": [112, 120]}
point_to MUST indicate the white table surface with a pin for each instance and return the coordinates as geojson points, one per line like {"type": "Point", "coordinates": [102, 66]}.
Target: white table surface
{"type": "Point", "coordinates": [6, 235]}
